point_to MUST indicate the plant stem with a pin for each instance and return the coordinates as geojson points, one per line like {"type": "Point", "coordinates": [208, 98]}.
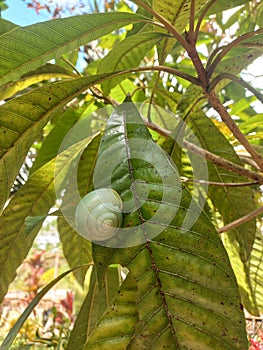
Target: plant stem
{"type": "Point", "coordinates": [241, 220]}
{"type": "Point", "coordinates": [193, 54]}
{"type": "Point", "coordinates": [201, 17]}
{"type": "Point", "coordinates": [227, 184]}
{"type": "Point", "coordinates": [225, 49]}
{"type": "Point", "coordinates": [170, 70]}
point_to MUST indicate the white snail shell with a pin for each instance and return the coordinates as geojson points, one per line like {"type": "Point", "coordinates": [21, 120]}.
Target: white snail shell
{"type": "Point", "coordinates": [98, 215]}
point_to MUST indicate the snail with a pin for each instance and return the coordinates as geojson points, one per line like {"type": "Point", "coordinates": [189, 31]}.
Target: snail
{"type": "Point", "coordinates": [98, 215]}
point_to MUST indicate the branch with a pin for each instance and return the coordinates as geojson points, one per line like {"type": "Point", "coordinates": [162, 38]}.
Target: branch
{"type": "Point", "coordinates": [191, 34]}
{"type": "Point", "coordinates": [156, 82]}
{"type": "Point", "coordinates": [72, 66]}
{"type": "Point", "coordinates": [238, 80]}
{"type": "Point", "coordinates": [217, 105]}
{"type": "Point", "coordinates": [241, 220]}
{"type": "Point", "coordinates": [223, 163]}
{"type": "Point", "coordinates": [211, 57]}
{"type": "Point", "coordinates": [219, 161]}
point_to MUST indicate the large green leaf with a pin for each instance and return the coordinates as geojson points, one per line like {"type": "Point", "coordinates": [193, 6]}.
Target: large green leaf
{"type": "Point", "coordinates": [127, 54]}
{"type": "Point", "coordinates": [168, 299]}
{"type": "Point", "coordinates": [180, 291]}
{"type": "Point", "coordinates": [23, 118]}
{"type": "Point", "coordinates": [24, 49]}
{"type": "Point", "coordinates": [179, 16]}
{"type": "Point", "coordinates": [237, 60]}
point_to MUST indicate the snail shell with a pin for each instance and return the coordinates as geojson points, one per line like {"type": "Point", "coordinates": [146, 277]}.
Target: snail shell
{"type": "Point", "coordinates": [98, 215]}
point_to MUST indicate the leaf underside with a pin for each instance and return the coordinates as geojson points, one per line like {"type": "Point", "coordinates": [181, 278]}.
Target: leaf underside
{"type": "Point", "coordinates": [23, 49]}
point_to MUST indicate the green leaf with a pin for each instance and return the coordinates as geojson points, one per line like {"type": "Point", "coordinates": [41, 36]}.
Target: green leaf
{"type": "Point", "coordinates": [52, 142]}
{"type": "Point", "coordinates": [18, 325]}
{"type": "Point", "coordinates": [180, 291]}
{"type": "Point", "coordinates": [93, 307]}
{"type": "Point", "coordinates": [230, 201]}
{"type": "Point", "coordinates": [34, 199]}
{"type": "Point", "coordinates": [76, 249]}
{"type": "Point", "coordinates": [79, 333]}
{"type": "Point", "coordinates": [222, 5]}
{"type": "Point", "coordinates": [117, 322]}
{"type": "Point", "coordinates": [252, 123]}
{"type": "Point", "coordinates": [256, 42]}
{"type": "Point", "coordinates": [77, 182]}
{"type": "Point", "coordinates": [179, 16]}
{"type": "Point", "coordinates": [23, 118]}
{"type": "Point", "coordinates": [47, 72]}
{"type": "Point", "coordinates": [3, 6]}
{"type": "Point", "coordinates": [33, 221]}
{"type": "Point", "coordinates": [130, 149]}
{"type": "Point", "coordinates": [127, 54]}
{"type": "Point", "coordinates": [141, 27]}
{"type": "Point", "coordinates": [171, 299]}
{"type": "Point", "coordinates": [53, 38]}
{"type": "Point", "coordinates": [86, 166]}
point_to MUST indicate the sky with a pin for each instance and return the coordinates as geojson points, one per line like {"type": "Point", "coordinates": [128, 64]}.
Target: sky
{"type": "Point", "coordinates": [20, 14]}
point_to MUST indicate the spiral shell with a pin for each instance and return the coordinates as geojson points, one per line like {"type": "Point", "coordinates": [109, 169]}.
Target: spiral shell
{"type": "Point", "coordinates": [98, 215]}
